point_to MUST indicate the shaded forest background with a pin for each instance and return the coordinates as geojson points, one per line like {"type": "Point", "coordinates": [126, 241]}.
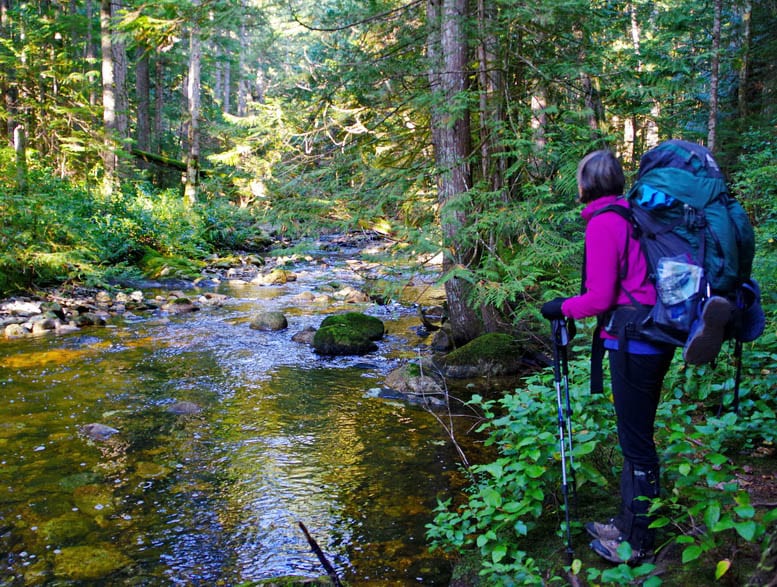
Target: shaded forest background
{"type": "Point", "coordinates": [140, 138]}
{"type": "Point", "coordinates": [134, 131]}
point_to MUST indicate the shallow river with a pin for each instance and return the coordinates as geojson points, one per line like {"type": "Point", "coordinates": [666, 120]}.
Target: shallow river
{"type": "Point", "coordinates": [284, 436]}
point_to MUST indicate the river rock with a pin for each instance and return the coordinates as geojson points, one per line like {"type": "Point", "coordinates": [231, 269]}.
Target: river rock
{"type": "Point", "coordinates": [490, 355]}
{"type": "Point", "coordinates": [212, 299]}
{"type": "Point", "coordinates": [67, 529]}
{"type": "Point", "coordinates": [103, 298]}
{"type": "Point", "coordinates": [44, 325]}
{"type": "Point", "coordinates": [410, 378]}
{"type": "Point", "coordinates": [94, 500]}
{"type": "Point", "coordinates": [184, 408]}
{"type": "Point", "coordinates": [269, 321]}
{"type": "Point", "coordinates": [340, 340]}
{"type": "Point", "coordinates": [15, 331]}
{"type": "Point", "coordinates": [149, 470]}
{"type": "Point", "coordinates": [99, 432]}
{"type": "Point", "coordinates": [351, 295]}
{"type": "Point", "coordinates": [89, 563]}
{"type": "Point", "coordinates": [21, 307]}
{"type": "Point", "coordinates": [304, 297]}
{"type": "Point", "coordinates": [369, 326]}
{"type": "Point", "coordinates": [274, 277]}
{"type": "Point", "coordinates": [305, 336]}
{"type": "Point", "coordinates": [179, 305]}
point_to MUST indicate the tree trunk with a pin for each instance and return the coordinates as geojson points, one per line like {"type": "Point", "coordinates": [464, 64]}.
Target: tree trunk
{"type": "Point", "coordinates": [193, 94]}
{"type": "Point", "coordinates": [491, 88]}
{"type": "Point", "coordinates": [143, 96]}
{"type": "Point", "coordinates": [159, 102]}
{"type": "Point", "coordinates": [120, 75]}
{"type": "Point", "coordinates": [242, 72]}
{"type": "Point", "coordinates": [712, 123]}
{"type": "Point", "coordinates": [744, 67]}
{"type": "Point", "coordinates": [20, 147]}
{"type": "Point", "coordinates": [91, 55]}
{"type": "Point", "coordinates": [447, 51]}
{"type": "Point", "coordinates": [109, 100]}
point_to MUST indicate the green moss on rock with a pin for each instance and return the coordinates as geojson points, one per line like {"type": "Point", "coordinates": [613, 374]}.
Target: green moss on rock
{"type": "Point", "coordinates": [492, 354]}
{"type": "Point", "coordinates": [340, 339]}
{"type": "Point", "coordinates": [371, 327]}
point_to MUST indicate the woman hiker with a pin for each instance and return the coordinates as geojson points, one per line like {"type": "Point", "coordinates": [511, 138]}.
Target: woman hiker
{"type": "Point", "coordinates": [637, 371]}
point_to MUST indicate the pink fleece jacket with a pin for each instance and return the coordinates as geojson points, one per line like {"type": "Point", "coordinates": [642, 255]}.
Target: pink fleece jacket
{"type": "Point", "coordinates": [606, 237]}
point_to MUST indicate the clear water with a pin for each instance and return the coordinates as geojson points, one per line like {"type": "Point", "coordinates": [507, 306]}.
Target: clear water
{"type": "Point", "coordinates": [283, 437]}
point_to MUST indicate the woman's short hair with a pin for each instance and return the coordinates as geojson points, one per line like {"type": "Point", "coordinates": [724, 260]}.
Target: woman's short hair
{"type": "Point", "coordinates": [599, 174]}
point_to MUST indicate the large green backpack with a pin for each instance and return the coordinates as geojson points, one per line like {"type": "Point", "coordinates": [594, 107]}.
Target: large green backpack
{"type": "Point", "coordinates": [680, 190]}
{"type": "Point", "coordinates": [697, 239]}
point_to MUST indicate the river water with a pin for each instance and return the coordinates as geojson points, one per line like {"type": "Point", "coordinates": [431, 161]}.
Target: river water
{"type": "Point", "coordinates": [216, 497]}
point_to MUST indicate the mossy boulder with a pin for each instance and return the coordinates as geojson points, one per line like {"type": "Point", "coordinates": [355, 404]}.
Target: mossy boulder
{"type": "Point", "coordinates": [341, 340]}
{"type": "Point", "coordinates": [491, 355]}
{"type": "Point", "coordinates": [369, 326]}
{"type": "Point", "coordinates": [351, 333]}
{"type": "Point", "coordinates": [89, 563]}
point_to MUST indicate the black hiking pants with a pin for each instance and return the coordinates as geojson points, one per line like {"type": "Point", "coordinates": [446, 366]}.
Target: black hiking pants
{"type": "Point", "coordinates": [636, 387]}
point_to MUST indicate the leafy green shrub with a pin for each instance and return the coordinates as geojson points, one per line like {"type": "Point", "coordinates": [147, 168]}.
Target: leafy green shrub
{"type": "Point", "coordinates": [703, 508]}
{"type": "Point", "coordinates": [229, 227]}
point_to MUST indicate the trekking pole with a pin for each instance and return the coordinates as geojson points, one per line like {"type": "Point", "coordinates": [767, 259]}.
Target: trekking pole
{"type": "Point", "coordinates": [560, 341]}
{"type": "Point", "coordinates": [567, 335]}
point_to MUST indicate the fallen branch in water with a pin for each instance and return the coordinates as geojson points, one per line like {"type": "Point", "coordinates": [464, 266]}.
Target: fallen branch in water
{"type": "Point", "coordinates": [330, 570]}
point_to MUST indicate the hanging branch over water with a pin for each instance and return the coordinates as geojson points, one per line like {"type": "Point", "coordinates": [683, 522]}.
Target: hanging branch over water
{"type": "Point", "coordinates": [330, 570]}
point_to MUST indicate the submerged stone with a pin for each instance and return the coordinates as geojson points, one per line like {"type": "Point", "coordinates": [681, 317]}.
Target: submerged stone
{"type": "Point", "coordinates": [67, 529]}
{"type": "Point", "coordinates": [148, 470]}
{"type": "Point", "coordinates": [94, 500]}
{"type": "Point", "coordinates": [89, 563]}
{"type": "Point", "coordinates": [184, 408]}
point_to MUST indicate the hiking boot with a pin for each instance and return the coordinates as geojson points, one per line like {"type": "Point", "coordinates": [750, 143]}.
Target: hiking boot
{"type": "Point", "coordinates": [608, 550]}
{"type": "Point", "coordinates": [608, 531]}
{"type": "Point", "coordinates": [708, 332]}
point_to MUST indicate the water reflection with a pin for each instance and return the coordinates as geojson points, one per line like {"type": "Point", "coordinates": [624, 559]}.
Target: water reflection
{"type": "Point", "coordinates": [214, 496]}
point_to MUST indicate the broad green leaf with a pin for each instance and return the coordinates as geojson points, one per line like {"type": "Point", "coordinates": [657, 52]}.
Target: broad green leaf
{"type": "Point", "coordinates": [722, 568]}
{"type": "Point", "coordinates": [745, 511]}
{"type": "Point", "coordinates": [492, 498]}
{"type": "Point", "coordinates": [712, 514]}
{"type": "Point", "coordinates": [746, 529]}
{"type": "Point", "coordinates": [499, 552]}
{"type": "Point", "coordinates": [691, 553]}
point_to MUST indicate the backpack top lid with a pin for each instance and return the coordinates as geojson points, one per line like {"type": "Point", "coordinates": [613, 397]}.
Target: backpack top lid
{"type": "Point", "coordinates": [683, 170]}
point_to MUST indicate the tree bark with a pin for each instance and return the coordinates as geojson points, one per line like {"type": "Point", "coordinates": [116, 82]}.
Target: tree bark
{"type": "Point", "coordinates": [109, 100]}
{"type": "Point", "coordinates": [193, 157]}
{"type": "Point", "coordinates": [447, 52]}
{"type": "Point", "coordinates": [143, 96]}
{"type": "Point", "coordinates": [491, 87]}
{"type": "Point", "coordinates": [20, 147]}
{"type": "Point", "coordinates": [242, 71]}
{"type": "Point", "coordinates": [120, 66]}
{"type": "Point", "coordinates": [744, 67]}
{"type": "Point", "coordinates": [712, 123]}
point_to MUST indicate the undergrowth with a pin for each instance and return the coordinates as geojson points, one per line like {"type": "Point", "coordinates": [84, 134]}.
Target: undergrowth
{"type": "Point", "coordinates": [704, 514]}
